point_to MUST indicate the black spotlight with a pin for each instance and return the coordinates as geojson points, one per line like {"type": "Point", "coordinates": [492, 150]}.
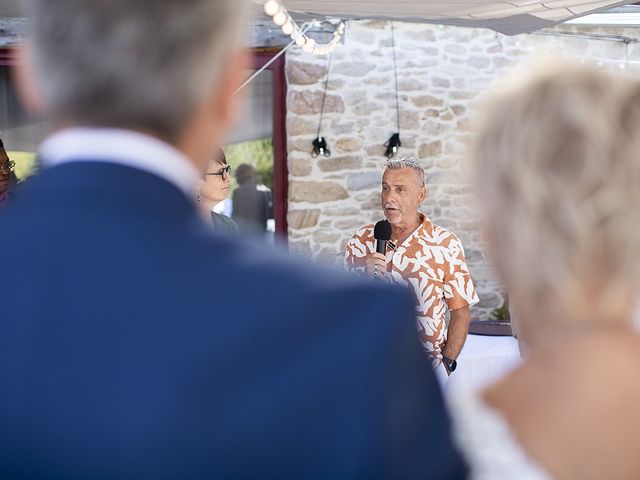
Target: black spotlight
{"type": "Point", "coordinates": [320, 148]}
{"type": "Point", "coordinates": [393, 144]}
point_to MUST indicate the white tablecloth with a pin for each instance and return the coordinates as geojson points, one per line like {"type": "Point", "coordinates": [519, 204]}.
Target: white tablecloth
{"type": "Point", "coordinates": [484, 359]}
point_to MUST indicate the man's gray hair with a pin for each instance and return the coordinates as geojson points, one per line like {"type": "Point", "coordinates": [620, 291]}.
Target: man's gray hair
{"type": "Point", "coordinates": [407, 162]}
{"type": "Point", "coordinates": [142, 64]}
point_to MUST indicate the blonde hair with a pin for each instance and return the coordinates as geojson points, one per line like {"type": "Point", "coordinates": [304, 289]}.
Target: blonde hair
{"type": "Point", "coordinates": [558, 168]}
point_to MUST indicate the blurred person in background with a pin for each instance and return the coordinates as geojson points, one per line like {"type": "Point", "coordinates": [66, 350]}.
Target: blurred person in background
{"type": "Point", "coordinates": [559, 179]}
{"type": "Point", "coordinates": [213, 189]}
{"type": "Point", "coordinates": [252, 202]}
{"type": "Point", "coordinates": [145, 347]}
{"type": "Point", "coordinates": [7, 178]}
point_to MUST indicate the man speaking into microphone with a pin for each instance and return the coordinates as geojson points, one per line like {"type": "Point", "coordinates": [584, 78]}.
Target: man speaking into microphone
{"type": "Point", "coordinates": [427, 258]}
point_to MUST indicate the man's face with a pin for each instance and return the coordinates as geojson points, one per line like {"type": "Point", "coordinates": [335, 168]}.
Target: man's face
{"type": "Point", "coordinates": [5, 172]}
{"type": "Point", "coordinates": [402, 193]}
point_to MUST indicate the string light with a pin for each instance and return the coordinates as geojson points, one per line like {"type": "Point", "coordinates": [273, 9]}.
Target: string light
{"type": "Point", "coordinates": [281, 18]}
{"type": "Point", "coordinates": [287, 28]}
{"type": "Point", "coordinates": [271, 7]}
{"type": "Point", "coordinates": [309, 44]}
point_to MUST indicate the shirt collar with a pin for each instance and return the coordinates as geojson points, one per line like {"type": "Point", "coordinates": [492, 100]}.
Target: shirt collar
{"type": "Point", "coordinates": [122, 147]}
{"type": "Point", "coordinates": [421, 230]}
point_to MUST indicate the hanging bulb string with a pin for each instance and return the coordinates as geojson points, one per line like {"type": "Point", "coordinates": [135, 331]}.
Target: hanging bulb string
{"type": "Point", "coordinates": [395, 75]}
{"type": "Point", "coordinates": [324, 94]}
{"type": "Point", "coordinates": [304, 28]}
{"type": "Point", "coordinates": [282, 19]}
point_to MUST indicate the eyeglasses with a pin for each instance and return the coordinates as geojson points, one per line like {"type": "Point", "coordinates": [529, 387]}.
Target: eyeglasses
{"type": "Point", "coordinates": [225, 172]}
{"type": "Point", "coordinates": [10, 165]}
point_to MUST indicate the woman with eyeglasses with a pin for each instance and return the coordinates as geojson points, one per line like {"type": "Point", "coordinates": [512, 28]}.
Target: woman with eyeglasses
{"type": "Point", "coordinates": [213, 189]}
{"type": "Point", "coordinates": [7, 178]}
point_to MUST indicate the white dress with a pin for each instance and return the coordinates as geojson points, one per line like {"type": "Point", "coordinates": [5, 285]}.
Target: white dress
{"type": "Point", "coordinates": [484, 438]}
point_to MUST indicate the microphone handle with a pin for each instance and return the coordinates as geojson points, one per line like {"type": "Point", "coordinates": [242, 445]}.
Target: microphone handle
{"type": "Point", "coordinates": [381, 246]}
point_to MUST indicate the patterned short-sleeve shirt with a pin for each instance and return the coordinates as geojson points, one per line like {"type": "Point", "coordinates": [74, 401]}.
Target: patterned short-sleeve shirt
{"type": "Point", "coordinates": [431, 261]}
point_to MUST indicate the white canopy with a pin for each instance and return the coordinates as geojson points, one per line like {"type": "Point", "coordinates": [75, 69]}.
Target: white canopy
{"type": "Point", "coordinates": [508, 17]}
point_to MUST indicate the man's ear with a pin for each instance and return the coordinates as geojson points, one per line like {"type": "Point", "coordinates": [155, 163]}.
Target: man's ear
{"type": "Point", "coordinates": [24, 78]}
{"type": "Point", "coordinates": [423, 193]}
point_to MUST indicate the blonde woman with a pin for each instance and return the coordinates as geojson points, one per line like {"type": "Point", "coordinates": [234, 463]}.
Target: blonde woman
{"type": "Point", "coordinates": [558, 162]}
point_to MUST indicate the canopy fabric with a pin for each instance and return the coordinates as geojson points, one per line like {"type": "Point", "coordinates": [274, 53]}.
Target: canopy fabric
{"type": "Point", "coordinates": [508, 17]}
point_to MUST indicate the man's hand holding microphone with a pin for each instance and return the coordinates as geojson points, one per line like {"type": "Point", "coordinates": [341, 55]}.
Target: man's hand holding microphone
{"type": "Point", "coordinates": [376, 263]}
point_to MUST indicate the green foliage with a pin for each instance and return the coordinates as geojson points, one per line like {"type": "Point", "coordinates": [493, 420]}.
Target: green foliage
{"type": "Point", "coordinates": [502, 313]}
{"type": "Point", "coordinates": [259, 153]}
{"type": "Point", "coordinates": [26, 163]}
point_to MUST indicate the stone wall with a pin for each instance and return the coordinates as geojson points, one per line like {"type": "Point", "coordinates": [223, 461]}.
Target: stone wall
{"type": "Point", "coordinates": [441, 71]}
{"type": "Point", "coordinates": [12, 31]}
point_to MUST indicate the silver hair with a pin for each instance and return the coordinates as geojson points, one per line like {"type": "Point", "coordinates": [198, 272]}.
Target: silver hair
{"type": "Point", "coordinates": [407, 162]}
{"type": "Point", "coordinates": [140, 64]}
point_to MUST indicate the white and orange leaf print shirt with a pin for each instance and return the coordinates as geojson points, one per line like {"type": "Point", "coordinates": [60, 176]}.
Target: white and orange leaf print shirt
{"type": "Point", "coordinates": [431, 261]}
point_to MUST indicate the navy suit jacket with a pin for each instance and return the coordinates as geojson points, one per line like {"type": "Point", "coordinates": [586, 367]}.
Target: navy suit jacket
{"type": "Point", "coordinates": [135, 344]}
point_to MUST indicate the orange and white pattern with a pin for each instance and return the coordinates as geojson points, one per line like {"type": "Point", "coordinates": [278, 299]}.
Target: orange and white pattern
{"type": "Point", "coordinates": [431, 261]}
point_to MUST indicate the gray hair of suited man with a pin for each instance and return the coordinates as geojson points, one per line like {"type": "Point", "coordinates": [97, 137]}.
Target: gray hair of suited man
{"type": "Point", "coordinates": [139, 64]}
{"type": "Point", "coordinates": [407, 162]}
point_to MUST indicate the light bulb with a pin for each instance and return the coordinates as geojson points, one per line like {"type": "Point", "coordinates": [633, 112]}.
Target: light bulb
{"type": "Point", "coordinates": [341, 28]}
{"type": "Point", "coordinates": [309, 44]}
{"type": "Point", "coordinates": [271, 7]}
{"type": "Point", "coordinates": [280, 18]}
{"type": "Point", "coordinates": [287, 28]}
{"type": "Point", "coordinates": [301, 40]}
{"type": "Point", "coordinates": [296, 33]}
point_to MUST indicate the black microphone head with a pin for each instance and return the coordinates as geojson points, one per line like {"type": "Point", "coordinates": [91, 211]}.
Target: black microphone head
{"type": "Point", "coordinates": [382, 230]}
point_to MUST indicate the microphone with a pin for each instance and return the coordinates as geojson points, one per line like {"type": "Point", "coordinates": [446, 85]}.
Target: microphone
{"type": "Point", "coordinates": [382, 234]}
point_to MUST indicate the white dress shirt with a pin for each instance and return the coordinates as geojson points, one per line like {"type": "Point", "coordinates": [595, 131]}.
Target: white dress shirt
{"type": "Point", "coordinates": [122, 147]}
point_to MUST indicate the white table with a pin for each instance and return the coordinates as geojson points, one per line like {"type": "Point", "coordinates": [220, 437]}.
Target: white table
{"type": "Point", "coordinates": [484, 359]}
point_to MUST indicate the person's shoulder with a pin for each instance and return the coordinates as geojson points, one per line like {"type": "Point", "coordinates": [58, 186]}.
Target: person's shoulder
{"type": "Point", "coordinates": [293, 284]}
{"type": "Point", "coordinates": [622, 347]}
{"type": "Point", "coordinates": [439, 234]}
{"type": "Point", "coordinates": [361, 235]}
{"type": "Point", "coordinates": [223, 224]}
{"type": "Point", "coordinates": [365, 231]}
{"type": "Point", "coordinates": [572, 370]}
{"type": "Point", "coordinates": [584, 389]}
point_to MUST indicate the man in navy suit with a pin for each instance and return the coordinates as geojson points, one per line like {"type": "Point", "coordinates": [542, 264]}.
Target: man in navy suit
{"type": "Point", "coordinates": [135, 345]}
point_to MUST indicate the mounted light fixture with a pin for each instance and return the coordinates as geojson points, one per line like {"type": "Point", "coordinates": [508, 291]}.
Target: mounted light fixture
{"type": "Point", "coordinates": [394, 143]}
{"type": "Point", "coordinates": [320, 143]}
{"type": "Point", "coordinates": [289, 27]}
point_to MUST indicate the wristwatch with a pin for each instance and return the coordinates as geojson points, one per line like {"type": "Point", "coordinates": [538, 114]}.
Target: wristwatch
{"type": "Point", "coordinates": [450, 364]}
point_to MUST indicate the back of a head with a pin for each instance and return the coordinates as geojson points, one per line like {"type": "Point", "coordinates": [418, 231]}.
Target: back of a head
{"type": "Point", "coordinates": [139, 64]}
{"type": "Point", "coordinates": [244, 173]}
{"type": "Point", "coordinates": [559, 176]}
